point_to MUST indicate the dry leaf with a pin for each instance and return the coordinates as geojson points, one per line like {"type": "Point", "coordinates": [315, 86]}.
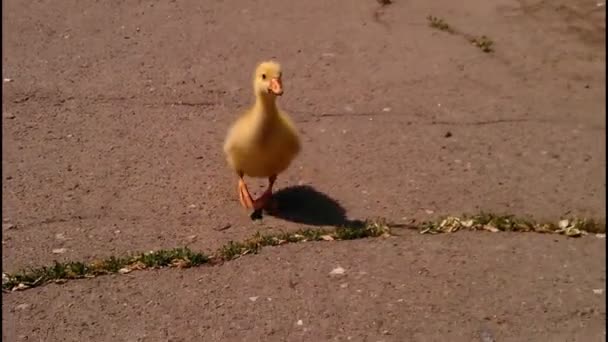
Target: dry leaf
{"type": "Point", "coordinates": [450, 224]}
{"type": "Point", "coordinates": [327, 237]}
{"type": "Point", "coordinates": [467, 223]}
{"type": "Point", "coordinates": [124, 270]}
{"type": "Point", "coordinates": [491, 228]}
{"type": "Point", "coordinates": [137, 266]}
{"type": "Point", "coordinates": [180, 263]}
{"type": "Point", "coordinates": [20, 287]}
{"type": "Point", "coordinates": [573, 232]}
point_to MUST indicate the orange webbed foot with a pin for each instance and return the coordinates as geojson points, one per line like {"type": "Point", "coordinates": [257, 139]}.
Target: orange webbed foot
{"type": "Point", "coordinates": [244, 195]}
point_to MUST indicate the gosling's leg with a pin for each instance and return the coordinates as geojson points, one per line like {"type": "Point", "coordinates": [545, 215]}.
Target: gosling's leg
{"type": "Point", "coordinates": [264, 202]}
{"type": "Point", "coordinates": [244, 195]}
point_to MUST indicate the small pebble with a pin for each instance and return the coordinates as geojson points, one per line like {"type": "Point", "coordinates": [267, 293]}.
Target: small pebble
{"type": "Point", "coordinates": [59, 250]}
{"type": "Point", "coordinates": [337, 271]}
{"type": "Point", "coordinates": [60, 236]}
{"type": "Point", "coordinates": [486, 336]}
{"type": "Point", "coordinates": [224, 227]}
{"type": "Point", "coordinates": [253, 299]}
{"type": "Point", "coordinates": [598, 291]}
{"type": "Point", "coordinates": [6, 80]}
{"type": "Point", "coordinates": [299, 322]}
{"type": "Point", "coordinates": [386, 109]}
{"type": "Point", "coordinates": [600, 236]}
{"type": "Point", "coordinates": [7, 226]}
{"type": "Point", "coordinates": [23, 306]}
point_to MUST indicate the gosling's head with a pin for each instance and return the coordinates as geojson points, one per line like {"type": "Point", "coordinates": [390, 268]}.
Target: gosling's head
{"type": "Point", "coordinates": [267, 79]}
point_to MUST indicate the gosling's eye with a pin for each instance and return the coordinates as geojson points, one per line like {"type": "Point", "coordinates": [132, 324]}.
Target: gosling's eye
{"type": "Point", "coordinates": [263, 76]}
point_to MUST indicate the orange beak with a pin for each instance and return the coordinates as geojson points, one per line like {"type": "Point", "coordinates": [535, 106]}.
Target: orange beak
{"type": "Point", "coordinates": [276, 86]}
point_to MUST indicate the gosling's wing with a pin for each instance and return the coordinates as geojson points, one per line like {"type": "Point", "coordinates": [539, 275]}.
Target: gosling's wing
{"type": "Point", "coordinates": [290, 132]}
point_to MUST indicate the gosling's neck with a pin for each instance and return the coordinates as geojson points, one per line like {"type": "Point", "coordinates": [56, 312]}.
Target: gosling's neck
{"type": "Point", "coordinates": [265, 104]}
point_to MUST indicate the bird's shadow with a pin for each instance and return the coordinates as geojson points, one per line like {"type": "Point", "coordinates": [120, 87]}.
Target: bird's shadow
{"type": "Point", "coordinates": [304, 204]}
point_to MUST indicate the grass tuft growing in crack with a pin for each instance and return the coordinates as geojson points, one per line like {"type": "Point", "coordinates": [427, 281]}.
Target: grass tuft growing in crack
{"type": "Point", "coordinates": [233, 250]}
{"type": "Point", "coordinates": [61, 271]}
{"type": "Point", "coordinates": [572, 227]}
{"type": "Point", "coordinates": [439, 24]}
{"type": "Point", "coordinates": [483, 42]}
{"type": "Point", "coordinates": [184, 257]}
{"type": "Point", "coordinates": [181, 257]}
